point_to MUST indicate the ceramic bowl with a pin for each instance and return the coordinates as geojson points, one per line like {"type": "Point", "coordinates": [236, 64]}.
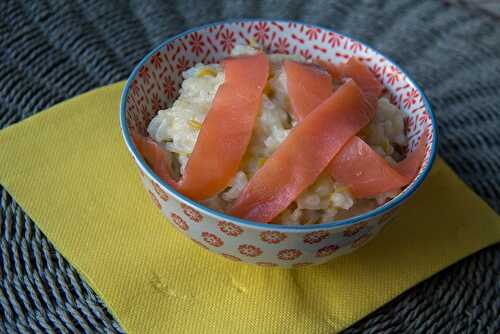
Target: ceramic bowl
{"type": "Point", "coordinates": [154, 83]}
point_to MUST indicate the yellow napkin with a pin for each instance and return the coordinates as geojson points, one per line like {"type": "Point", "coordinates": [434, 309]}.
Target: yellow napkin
{"type": "Point", "coordinates": [69, 169]}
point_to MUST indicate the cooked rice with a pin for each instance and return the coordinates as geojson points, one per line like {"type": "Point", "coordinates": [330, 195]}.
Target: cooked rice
{"type": "Point", "coordinates": [178, 126]}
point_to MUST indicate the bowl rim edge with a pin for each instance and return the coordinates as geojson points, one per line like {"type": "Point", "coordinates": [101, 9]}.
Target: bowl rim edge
{"type": "Point", "coordinates": [385, 208]}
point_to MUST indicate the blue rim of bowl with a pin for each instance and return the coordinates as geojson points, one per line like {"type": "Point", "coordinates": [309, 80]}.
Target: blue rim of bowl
{"type": "Point", "coordinates": [392, 204]}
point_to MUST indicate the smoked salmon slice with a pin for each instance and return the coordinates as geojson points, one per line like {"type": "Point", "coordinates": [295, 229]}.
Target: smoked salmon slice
{"type": "Point", "coordinates": [303, 155]}
{"type": "Point", "coordinates": [224, 135]}
{"type": "Point", "coordinates": [367, 174]}
{"type": "Point", "coordinates": [308, 85]}
{"type": "Point", "coordinates": [357, 165]}
{"type": "Point", "coordinates": [365, 79]}
{"type": "Point", "coordinates": [227, 129]}
{"type": "Point", "coordinates": [334, 70]}
{"type": "Point", "coordinates": [410, 165]}
{"type": "Point", "coordinates": [156, 156]}
{"type": "Point", "coordinates": [364, 171]}
{"type": "Point", "coordinates": [358, 72]}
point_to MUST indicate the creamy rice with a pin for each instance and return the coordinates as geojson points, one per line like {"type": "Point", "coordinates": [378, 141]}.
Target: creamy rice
{"type": "Point", "coordinates": [178, 126]}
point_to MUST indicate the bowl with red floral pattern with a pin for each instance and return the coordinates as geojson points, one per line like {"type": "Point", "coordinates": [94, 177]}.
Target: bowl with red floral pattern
{"type": "Point", "coordinates": [334, 216]}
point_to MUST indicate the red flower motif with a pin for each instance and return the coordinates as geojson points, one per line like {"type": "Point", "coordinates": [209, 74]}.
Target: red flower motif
{"type": "Point", "coordinates": [393, 75]}
{"type": "Point", "coordinates": [144, 74]}
{"type": "Point", "coordinates": [315, 237]}
{"type": "Point", "coordinates": [230, 229]}
{"type": "Point", "coordinates": [179, 221]}
{"type": "Point", "coordinates": [191, 213]}
{"type": "Point", "coordinates": [169, 88]}
{"type": "Point", "coordinates": [393, 99]}
{"type": "Point", "coordinates": [155, 200]}
{"type": "Point", "coordinates": [272, 237]}
{"type": "Point", "coordinates": [155, 102]}
{"type": "Point", "coordinates": [250, 250]}
{"type": "Point", "coordinates": [277, 25]}
{"type": "Point", "coordinates": [163, 195]}
{"type": "Point", "coordinates": [312, 33]}
{"type": "Point", "coordinates": [182, 64]}
{"type": "Point", "coordinates": [423, 118]}
{"type": "Point", "coordinates": [356, 46]}
{"type": "Point", "coordinates": [196, 43]}
{"type": "Point", "coordinates": [306, 54]}
{"type": "Point", "coordinates": [231, 257]}
{"type": "Point", "coordinates": [212, 239]}
{"type": "Point", "coordinates": [157, 60]}
{"type": "Point", "coordinates": [261, 32]}
{"type": "Point", "coordinates": [227, 40]}
{"type": "Point", "coordinates": [335, 40]}
{"type": "Point", "coordinates": [282, 45]}
{"type": "Point", "coordinates": [266, 264]}
{"type": "Point", "coordinates": [326, 251]}
{"type": "Point", "coordinates": [289, 254]}
{"type": "Point", "coordinates": [354, 229]}
{"type": "Point", "coordinates": [377, 70]}
{"type": "Point", "coordinates": [409, 124]}
{"type": "Point", "coordinates": [301, 264]}
{"type": "Point", "coordinates": [360, 241]}
{"type": "Point", "coordinates": [199, 243]}
{"type": "Point", "coordinates": [410, 98]}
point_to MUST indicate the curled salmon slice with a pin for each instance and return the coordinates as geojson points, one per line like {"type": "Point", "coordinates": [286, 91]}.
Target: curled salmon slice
{"type": "Point", "coordinates": [156, 156]}
{"type": "Point", "coordinates": [367, 174]}
{"type": "Point", "coordinates": [410, 165]}
{"type": "Point", "coordinates": [308, 85]}
{"type": "Point", "coordinates": [358, 72]}
{"type": "Point", "coordinates": [227, 129]}
{"type": "Point", "coordinates": [365, 79]}
{"type": "Point", "coordinates": [303, 155]}
{"type": "Point", "coordinates": [364, 171]}
{"type": "Point", "coordinates": [224, 135]}
{"type": "Point", "coordinates": [334, 70]}
{"type": "Point", "coordinates": [357, 165]}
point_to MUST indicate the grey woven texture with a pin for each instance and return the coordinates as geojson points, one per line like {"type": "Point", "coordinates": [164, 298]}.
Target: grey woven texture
{"type": "Point", "coordinates": [53, 50]}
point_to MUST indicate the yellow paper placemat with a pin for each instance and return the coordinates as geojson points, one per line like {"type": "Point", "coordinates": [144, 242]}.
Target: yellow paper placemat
{"type": "Point", "coordinates": [69, 169]}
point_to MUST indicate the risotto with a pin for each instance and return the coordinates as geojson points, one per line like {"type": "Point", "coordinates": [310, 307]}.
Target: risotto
{"type": "Point", "coordinates": [177, 129]}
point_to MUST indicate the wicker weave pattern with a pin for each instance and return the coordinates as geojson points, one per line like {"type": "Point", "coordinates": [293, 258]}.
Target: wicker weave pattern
{"type": "Point", "coordinates": [54, 50]}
